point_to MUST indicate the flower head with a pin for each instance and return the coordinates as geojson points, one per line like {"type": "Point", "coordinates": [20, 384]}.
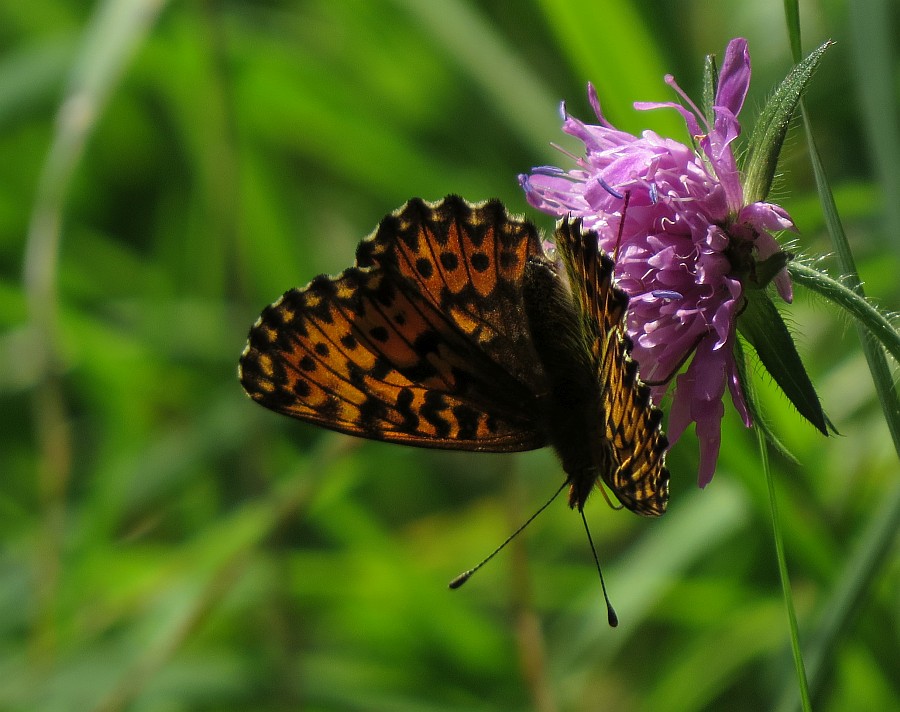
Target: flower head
{"type": "Point", "coordinates": [686, 247]}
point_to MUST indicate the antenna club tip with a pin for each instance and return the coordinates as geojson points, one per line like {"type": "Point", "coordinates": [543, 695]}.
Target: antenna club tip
{"type": "Point", "coordinates": [612, 618]}
{"type": "Point", "coordinates": [460, 580]}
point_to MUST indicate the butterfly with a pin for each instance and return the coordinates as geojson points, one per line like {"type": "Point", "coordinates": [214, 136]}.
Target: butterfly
{"type": "Point", "coordinates": [455, 329]}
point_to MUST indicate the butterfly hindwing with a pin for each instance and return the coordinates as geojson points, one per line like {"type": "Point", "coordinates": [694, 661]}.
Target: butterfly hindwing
{"type": "Point", "coordinates": [640, 478]}
{"type": "Point", "coordinates": [633, 443]}
{"type": "Point", "coordinates": [372, 352]}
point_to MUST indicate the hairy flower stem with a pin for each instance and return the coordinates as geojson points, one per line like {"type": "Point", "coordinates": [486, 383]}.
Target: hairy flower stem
{"type": "Point", "coordinates": [855, 304]}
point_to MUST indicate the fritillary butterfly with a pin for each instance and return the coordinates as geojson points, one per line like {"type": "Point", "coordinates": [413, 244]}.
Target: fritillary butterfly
{"type": "Point", "coordinates": [455, 330]}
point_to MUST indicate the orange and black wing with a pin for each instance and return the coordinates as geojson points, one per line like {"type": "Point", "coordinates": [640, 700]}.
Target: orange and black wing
{"type": "Point", "coordinates": [374, 353]}
{"type": "Point", "coordinates": [634, 442]}
{"type": "Point", "coordinates": [468, 261]}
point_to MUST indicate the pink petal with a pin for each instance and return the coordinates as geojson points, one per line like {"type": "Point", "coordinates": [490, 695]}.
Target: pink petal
{"type": "Point", "coordinates": [680, 412]}
{"type": "Point", "coordinates": [783, 284]}
{"type": "Point", "coordinates": [734, 77]}
{"type": "Point", "coordinates": [766, 216]}
{"type": "Point", "coordinates": [595, 105]}
{"type": "Point", "coordinates": [737, 395]}
{"type": "Point", "coordinates": [689, 118]}
{"type": "Point", "coordinates": [709, 434]}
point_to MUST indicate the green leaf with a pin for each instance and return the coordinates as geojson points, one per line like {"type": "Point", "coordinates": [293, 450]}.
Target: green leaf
{"type": "Point", "coordinates": [756, 415]}
{"type": "Point", "coordinates": [764, 329]}
{"type": "Point", "coordinates": [764, 271]}
{"type": "Point", "coordinates": [772, 125]}
{"type": "Point", "coordinates": [710, 85]}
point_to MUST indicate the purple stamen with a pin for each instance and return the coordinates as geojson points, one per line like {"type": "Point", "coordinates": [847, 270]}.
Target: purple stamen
{"type": "Point", "coordinates": [609, 189]}
{"type": "Point", "coordinates": [549, 171]}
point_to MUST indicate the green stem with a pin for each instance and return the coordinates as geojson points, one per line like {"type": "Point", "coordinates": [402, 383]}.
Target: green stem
{"type": "Point", "coordinates": [785, 580]}
{"type": "Point", "coordinates": [871, 553]}
{"type": "Point", "coordinates": [881, 372]}
{"type": "Point", "coordinates": [858, 306]}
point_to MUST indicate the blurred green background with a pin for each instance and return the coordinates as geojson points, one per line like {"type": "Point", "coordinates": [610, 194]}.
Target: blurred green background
{"type": "Point", "coordinates": [170, 168]}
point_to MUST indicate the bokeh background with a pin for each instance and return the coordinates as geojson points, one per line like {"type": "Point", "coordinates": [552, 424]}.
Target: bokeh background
{"type": "Point", "coordinates": [168, 169]}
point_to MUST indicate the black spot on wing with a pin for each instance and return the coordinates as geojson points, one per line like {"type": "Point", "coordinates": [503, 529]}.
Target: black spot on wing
{"type": "Point", "coordinates": [449, 261]}
{"type": "Point", "coordinates": [424, 267]}
{"type": "Point", "coordinates": [372, 413]}
{"type": "Point", "coordinates": [467, 420]}
{"type": "Point", "coordinates": [404, 408]}
{"type": "Point", "coordinates": [480, 262]}
{"type": "Point", "coordinates": [430, 412]}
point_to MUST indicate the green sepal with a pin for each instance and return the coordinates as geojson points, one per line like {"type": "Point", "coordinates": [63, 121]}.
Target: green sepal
{"type": "Point", "coordinates": [756, 415]}
{"type": "Point", "coordinates": [710, 86]}
{"type": "Point", "coordinates": [764, 271]}
{"type": "Point", "coordinates": [772, 125]}
{"type": "Point", "coordinates": [764, 329]}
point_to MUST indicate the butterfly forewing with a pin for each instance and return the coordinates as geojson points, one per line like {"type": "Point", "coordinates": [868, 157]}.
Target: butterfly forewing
{"type": "Point", "coordinates": [469, 262]}
{"type": "Point", "coordinates": [387, 351]}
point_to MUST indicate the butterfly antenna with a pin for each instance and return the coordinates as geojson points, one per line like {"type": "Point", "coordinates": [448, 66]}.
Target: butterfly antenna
{"type": "Point", "coordinates": [465, 575]}
{"type": "Point", "coordinates": [610, 611]}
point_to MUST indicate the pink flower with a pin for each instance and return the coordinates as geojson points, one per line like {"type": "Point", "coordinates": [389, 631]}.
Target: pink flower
{"type": "Point", "coordinates": [688, 246]}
